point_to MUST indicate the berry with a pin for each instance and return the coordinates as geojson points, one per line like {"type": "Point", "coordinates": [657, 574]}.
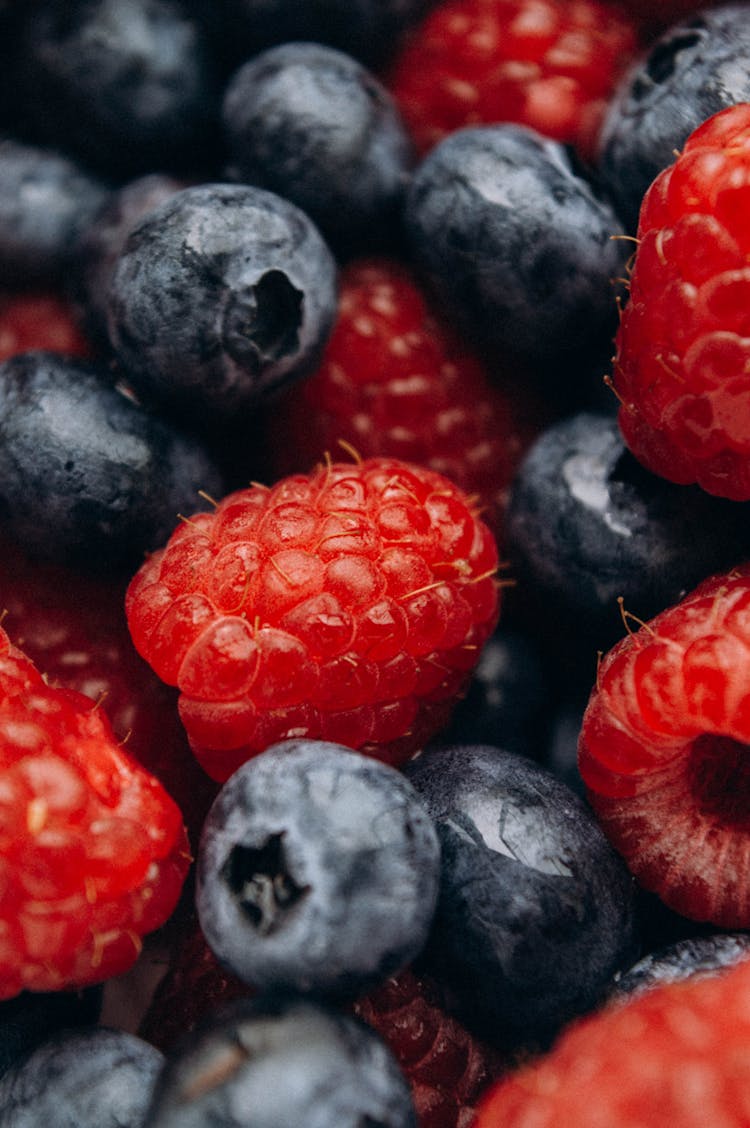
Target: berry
{"type": "Point", "coordinates": [347, 605]}
{"type": "Point", "coordinates": [289, 1061]}
{"type": "Point", "coordinates": [312, 124]}
{"type": "Point", "coordinates": [96, 1078]}
{"type": "Point", "coordinates": [32, 1017]}
{"type": "Point", "coordinates": [395, 380]}
{"type": "Point", "coordinates": [551, 66]}
{"type": "Point", "coordinates": [39, 321]}
{"type": "Point", "coordinates": [536, 911]}
{"type": "Point", "coordinates": [317, 871]}
{"type": "Point", "coordinates": [698, 955]}
{"type": "Point", "coordinates": [662, 751]}
{"type": "Point", "coordinates": [621, 1067]}
{"type": "Point", "coordinates": [682, 351]}
{"type": "Point", "coordinates": [93, 849]}
{"type": "Point", "coordinates": [222, 293]}
{"type": "Point", "coordinates": [694, 70]}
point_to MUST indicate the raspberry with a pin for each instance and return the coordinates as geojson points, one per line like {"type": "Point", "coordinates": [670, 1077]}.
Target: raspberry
{"type": "Point", "coordinates": [395, 381]}
{"type": "Point", "coordinates": [683, 348]}
{"type": "Point", "coordinates": [348, 605]}
{"type": "Point", "coordinates": [663, 751]}
{"type": "Point", "coordinates": [675, 1055]}
{"type": "Point", "coordinates": [548, 64]}
{"type": "Point", "coordinates": [39, 321]}
{"type": "Point", "coordinates": [93, 850]}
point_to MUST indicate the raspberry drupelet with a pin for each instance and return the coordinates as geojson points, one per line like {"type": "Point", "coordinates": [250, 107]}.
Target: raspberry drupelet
{"type": "Point", "coordinates": [348, 605]}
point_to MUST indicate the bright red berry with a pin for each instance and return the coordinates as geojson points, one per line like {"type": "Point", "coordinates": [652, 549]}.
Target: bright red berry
{"type": "Point", "coordinates": [548, 64]}
{"type": "Point", "coordinates": [39, 321]}
{"type": "Point", "coordinates": [674, 1055]}
{"type": "Point", "coordinates": [396, 381]}
{"type": "Point", "coordinates": [93, 852]}
{"type": "Point", "coordinates": [682, 369]}
{"type": "Point", "coordinates": [663, 751]}
{"type": "Point", "coordinates": [347, 605]}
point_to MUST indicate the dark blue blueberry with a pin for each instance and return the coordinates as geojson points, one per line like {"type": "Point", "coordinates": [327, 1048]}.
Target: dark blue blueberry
{"type": "Point", "coordinates": [695, 955]}
{"type": "Point", "coordinates": [222, 293]}
{"type": "Point", "coordinates": [32, 1017]}
{"type": "Point", "coordinates": [536, 911]}
{"type": "Point", "coordinates": [312, 124]}
{"type": "Point", "coordinates": [87, 477]}
{"type": "Point", "coordinates": [95, 1078]}
{"type": "Point", "coordinates": [317, 870]}
{"type": "Point", "coordinates": [586, 525]}
{"type": "Point", "coordinates": [694, 70]}
{"type": "Point", "coordinates": [46, 201]}
{"type": "Point", "coordinates": [278, 1063]}
{"type": "Point", "coordinates": [517, 247]}
{"type": "Point", "coordinates": [125, 85]}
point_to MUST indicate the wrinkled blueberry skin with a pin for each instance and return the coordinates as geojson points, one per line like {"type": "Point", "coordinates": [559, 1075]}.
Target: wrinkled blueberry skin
{"type": "Point", "coordinates": [317, 870]}
{"type": "Point", "coordinates": [32, 1017]}
{"type": "Point", "coordinates": [694, 70]}
{"type": "Point", "coordinates": [127, 86]}
{"type": "Point", "coordinates": [100, 244]}
{"type": "Point", "coordinates": [46, 201]}
{"type": "Point", "coordinates": [516, 246]}
{"type": "Point", "coordinates": [97, 1078]}
{"type": "Point", "coordinates": [222, 293]}
{"type": "Point", "coordinates": [536, 911]}
{"type": "Point", "coordinates": [587, 524]}
{"type": "Point", "coordinates": [87, 477]}
{"type": "Point", "coordinates": [695, 955]}
{"type": "Point", "coordinates": [273, 1063]}
{"type": "Point", "coordinates": [312, 124]}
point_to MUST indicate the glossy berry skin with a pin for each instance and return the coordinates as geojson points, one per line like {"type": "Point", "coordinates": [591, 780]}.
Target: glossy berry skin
{"type": "Point", "coordinates": [88, 477]}
{"type": "Point", "coordinates": [517, 248]}
{"type": "Point", "coordinates": [315, 126]}
{"type": "Point", "coordinates": [221, 294]}
{"type": "Point", "coordinates": [93, 850]}
{"type": "Point", "coordinates": [694, 956]}
{"type": "Point", "coordinates": [662, 751]}
{"type": "Point", "coordinates": [347, 605]}
{"type": "Point", "coordinates": [97, 1078]}
{"type": "Point", "coordinates": [618, 1067]}
{"type": "Point", "coordinates": [317, 870]}
{"type": "Point", "coordinates": [535, 912]}
{"type": "Point", "coordinates": [550, 66]}
{"type": "Point", "coordinates": [695, 69]}
{"type": "Point", "coordinates": [680, 367]}
{"type": "Point", "coordinates": [586, 526]}
{"type": "Point", "coordinates": [288, 1060]}
{"type": "Point", "coordinates": [46, 200]}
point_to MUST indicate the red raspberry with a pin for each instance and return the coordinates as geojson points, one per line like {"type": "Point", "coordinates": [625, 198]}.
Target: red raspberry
{"type": "Point", "coordinates": [674, 1055]}
{"type": "Point", "coordinates": [395, 381]}
{"type": "Point", "coordinates": [348, 605]}
{"type": "Point", "coordinates": [663, 751]}
{"type": "Point", "coordinates": [548, 64]}
{"type": "Point", "coordinates": [682, 369]}
{"type": "Point", "coordinates": [93, 852]}
{"type": "Point", "coordinates": [39, 321]}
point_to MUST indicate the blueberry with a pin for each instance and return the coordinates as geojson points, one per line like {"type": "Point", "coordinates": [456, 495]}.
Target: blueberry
{"type": "Point", "coordinates": [46, 201]}
{"type": "Point", "coordinates": [317, 870]}
{"type": "Point", "coordinates": [222, 293]}
{"type": "Point", "coordinates": [312, 124]}
{"type": "Point", "coordinates": [274, 1063]}
{"type": "Point", "coordinates": [127, 86]}
{"type": "Point", "coordinates": [694, 70]}
{"type": "Point", "coordinates": [32, 1017]}
{"type": "Point", "coordinates": [536, 911]}
{"type": "Point", "coordinates": [95, 1078]}
{"type": "Point", "coordinates": [517, 247]}
{"type": "Point", "coordinates": [586, 525]}
{"type": "Point", "coordinates": [695, 955]}
{"type": "Point", "coordinates": [87, 477]}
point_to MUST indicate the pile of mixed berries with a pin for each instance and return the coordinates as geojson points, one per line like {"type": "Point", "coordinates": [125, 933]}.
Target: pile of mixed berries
{"type": "Point", "coordinates": [374, 564]}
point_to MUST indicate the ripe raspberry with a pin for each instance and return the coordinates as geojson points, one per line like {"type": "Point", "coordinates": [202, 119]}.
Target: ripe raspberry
{"type": "Point", "coordinates": [39, 321]}
{"type": "Point", "coordinates": [548, 64]}
{"type": "Point", "coordinates": [663, 751]}
{"type": "Point", "coordinates": [93, 852]}
{"type": "Point", "coordinates": [683, 346]}
{"type": "Point", "coordinates": [675, 1055]}
{"type": "Point", "coordinates": [395, 381]}
{"type": "Point", "coordinates": [349, 605]}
